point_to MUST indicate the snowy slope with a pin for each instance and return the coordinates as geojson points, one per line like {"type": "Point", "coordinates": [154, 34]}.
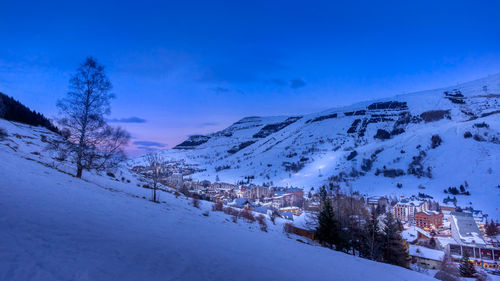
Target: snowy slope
{"type": "Point", "coordinates": [311, 150]}
{"type": "Point", "coordinates": [56, 227]}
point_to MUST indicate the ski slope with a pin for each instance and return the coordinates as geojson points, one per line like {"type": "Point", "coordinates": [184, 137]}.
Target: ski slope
{"type": "Point", "coordinates": [56, 227]}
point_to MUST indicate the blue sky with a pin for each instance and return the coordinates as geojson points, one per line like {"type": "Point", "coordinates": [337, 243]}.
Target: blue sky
{"type": "Point", "coordinates": [190, 67]}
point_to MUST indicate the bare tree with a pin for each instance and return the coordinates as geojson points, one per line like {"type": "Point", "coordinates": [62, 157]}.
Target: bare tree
{"type": "Point", "coordinates": [90, 140]}
{"type": "Point", "coordinates": [449, 271]}
{"type": "Point", "coordinates": [156, 170]}
{"type": "Point", "coordinates": [196, 201]}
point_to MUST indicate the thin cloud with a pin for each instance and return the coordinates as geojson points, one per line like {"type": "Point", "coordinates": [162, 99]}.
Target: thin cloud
{"type": "Point", "coordinates": [257, 64]}
{"type": "Point", "coordinates": [293, 83]}
{"type": "Point", "coordinates": [220, 90]}
{"type": "Point", "coordinates": [149, 144]}
{"type": "Point", "coordinates": [148, 149]}
{"type": "Point", "coordinates": [296, 83]}
{"type": "Point", "coordinates": [207, 124]}
{"type": "Point", "coordinates": [132, 119]}
{"type": "Point", "coordinates": [278, 81]}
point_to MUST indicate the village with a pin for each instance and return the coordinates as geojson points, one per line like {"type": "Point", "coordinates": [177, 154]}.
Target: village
{"type": "Point", "coordinates": [432, 230]}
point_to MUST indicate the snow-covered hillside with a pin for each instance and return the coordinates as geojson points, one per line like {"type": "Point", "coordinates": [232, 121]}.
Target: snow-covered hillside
{"type": "Point", "coordinates": [373, 147]}
{"type": "Point", "coordinates": [54, 226]}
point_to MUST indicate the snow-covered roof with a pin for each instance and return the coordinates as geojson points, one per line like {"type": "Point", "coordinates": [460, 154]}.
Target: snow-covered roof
{"type": "Point", "coordinates": [284, 209]}
{"type": "Point", "coordinates": [444, 241]}
{"type": "Point", "coordinates": [409, 234]}
{"type": "Point", "coordinates": [287, 215]}
{"type": "Point", "coordinates": [410, 202]}
{"type": "Point", "coordinates": [375, 199]}
{"type": "Point", "coordinates": [294, 189]}
{"type": "Point", "coordinates": [261, 209]}
{"type": "Point", "coordinates": [430, 212]}
{"type": "Point", "coordinates": [426, 253]}
{"type": "Point", "coordinates": [240, 202]}
{"type": "Point", "coordinates": [305, 221]}
{"type": "Point", "coordinates": [283, 195]}
{"type": "Point", "coordinates": [423, 232]}
{"type": "Point", "coordinates": [467, 228]}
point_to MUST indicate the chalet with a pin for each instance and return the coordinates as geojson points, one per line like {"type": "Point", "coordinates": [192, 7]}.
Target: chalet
{"type": "Point", "coordinates": [242, 203]}
{"type": "Point", "coordinates": [425, 257]}
{"type": "Point", "coordinates": [311, 234]}
{"type": "Point", "coordinates": [429, 219]}
{"type": "Point", "coordinates": [422, 234]}
{"type": "Point", "coordinates": [414, 234]}
{"type": "Point", "coordinates": [410, 235]}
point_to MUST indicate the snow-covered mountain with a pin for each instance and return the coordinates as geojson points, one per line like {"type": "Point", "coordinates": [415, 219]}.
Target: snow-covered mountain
{"type": "Point", "coordinates": [54, 226]}
{"type": "Point", "coordinates": [380, 147]}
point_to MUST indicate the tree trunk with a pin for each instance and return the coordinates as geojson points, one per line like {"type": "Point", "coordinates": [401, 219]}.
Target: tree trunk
{"type": "Point", "coordinates": [79, 170]}
{"type": "Point", "coordinates": [154, 192]}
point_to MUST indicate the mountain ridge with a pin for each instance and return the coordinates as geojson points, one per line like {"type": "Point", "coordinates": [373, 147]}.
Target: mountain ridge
{"type": "Point", "coordinates": [386, 142]}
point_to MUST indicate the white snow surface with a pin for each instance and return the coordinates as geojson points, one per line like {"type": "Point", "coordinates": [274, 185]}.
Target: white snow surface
{"type": "Point", "coordinates": [57, 227]}
{"type": "Point", "coordinates": [323, 146]}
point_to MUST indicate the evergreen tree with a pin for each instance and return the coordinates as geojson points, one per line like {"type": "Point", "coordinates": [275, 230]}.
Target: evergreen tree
{"type": "Point", "coordinates": [355, 235]}
{"type": "Point", "coordinates": [13, 110]}
{"type": "Point", "coordinates": [432, 243]}
{"type": "Point", "coordinates": [326, 231]}
{"type": "Point", "coordinates": [466, 267]}
{"type": "Point", "coordinates": [491, 228]}
{"type": "Point", "coordinates": [371, 246]}
{"type": "Point", "coordinates": [395, 249]}
{"type": "Point", "coordinates": [345, 236]}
